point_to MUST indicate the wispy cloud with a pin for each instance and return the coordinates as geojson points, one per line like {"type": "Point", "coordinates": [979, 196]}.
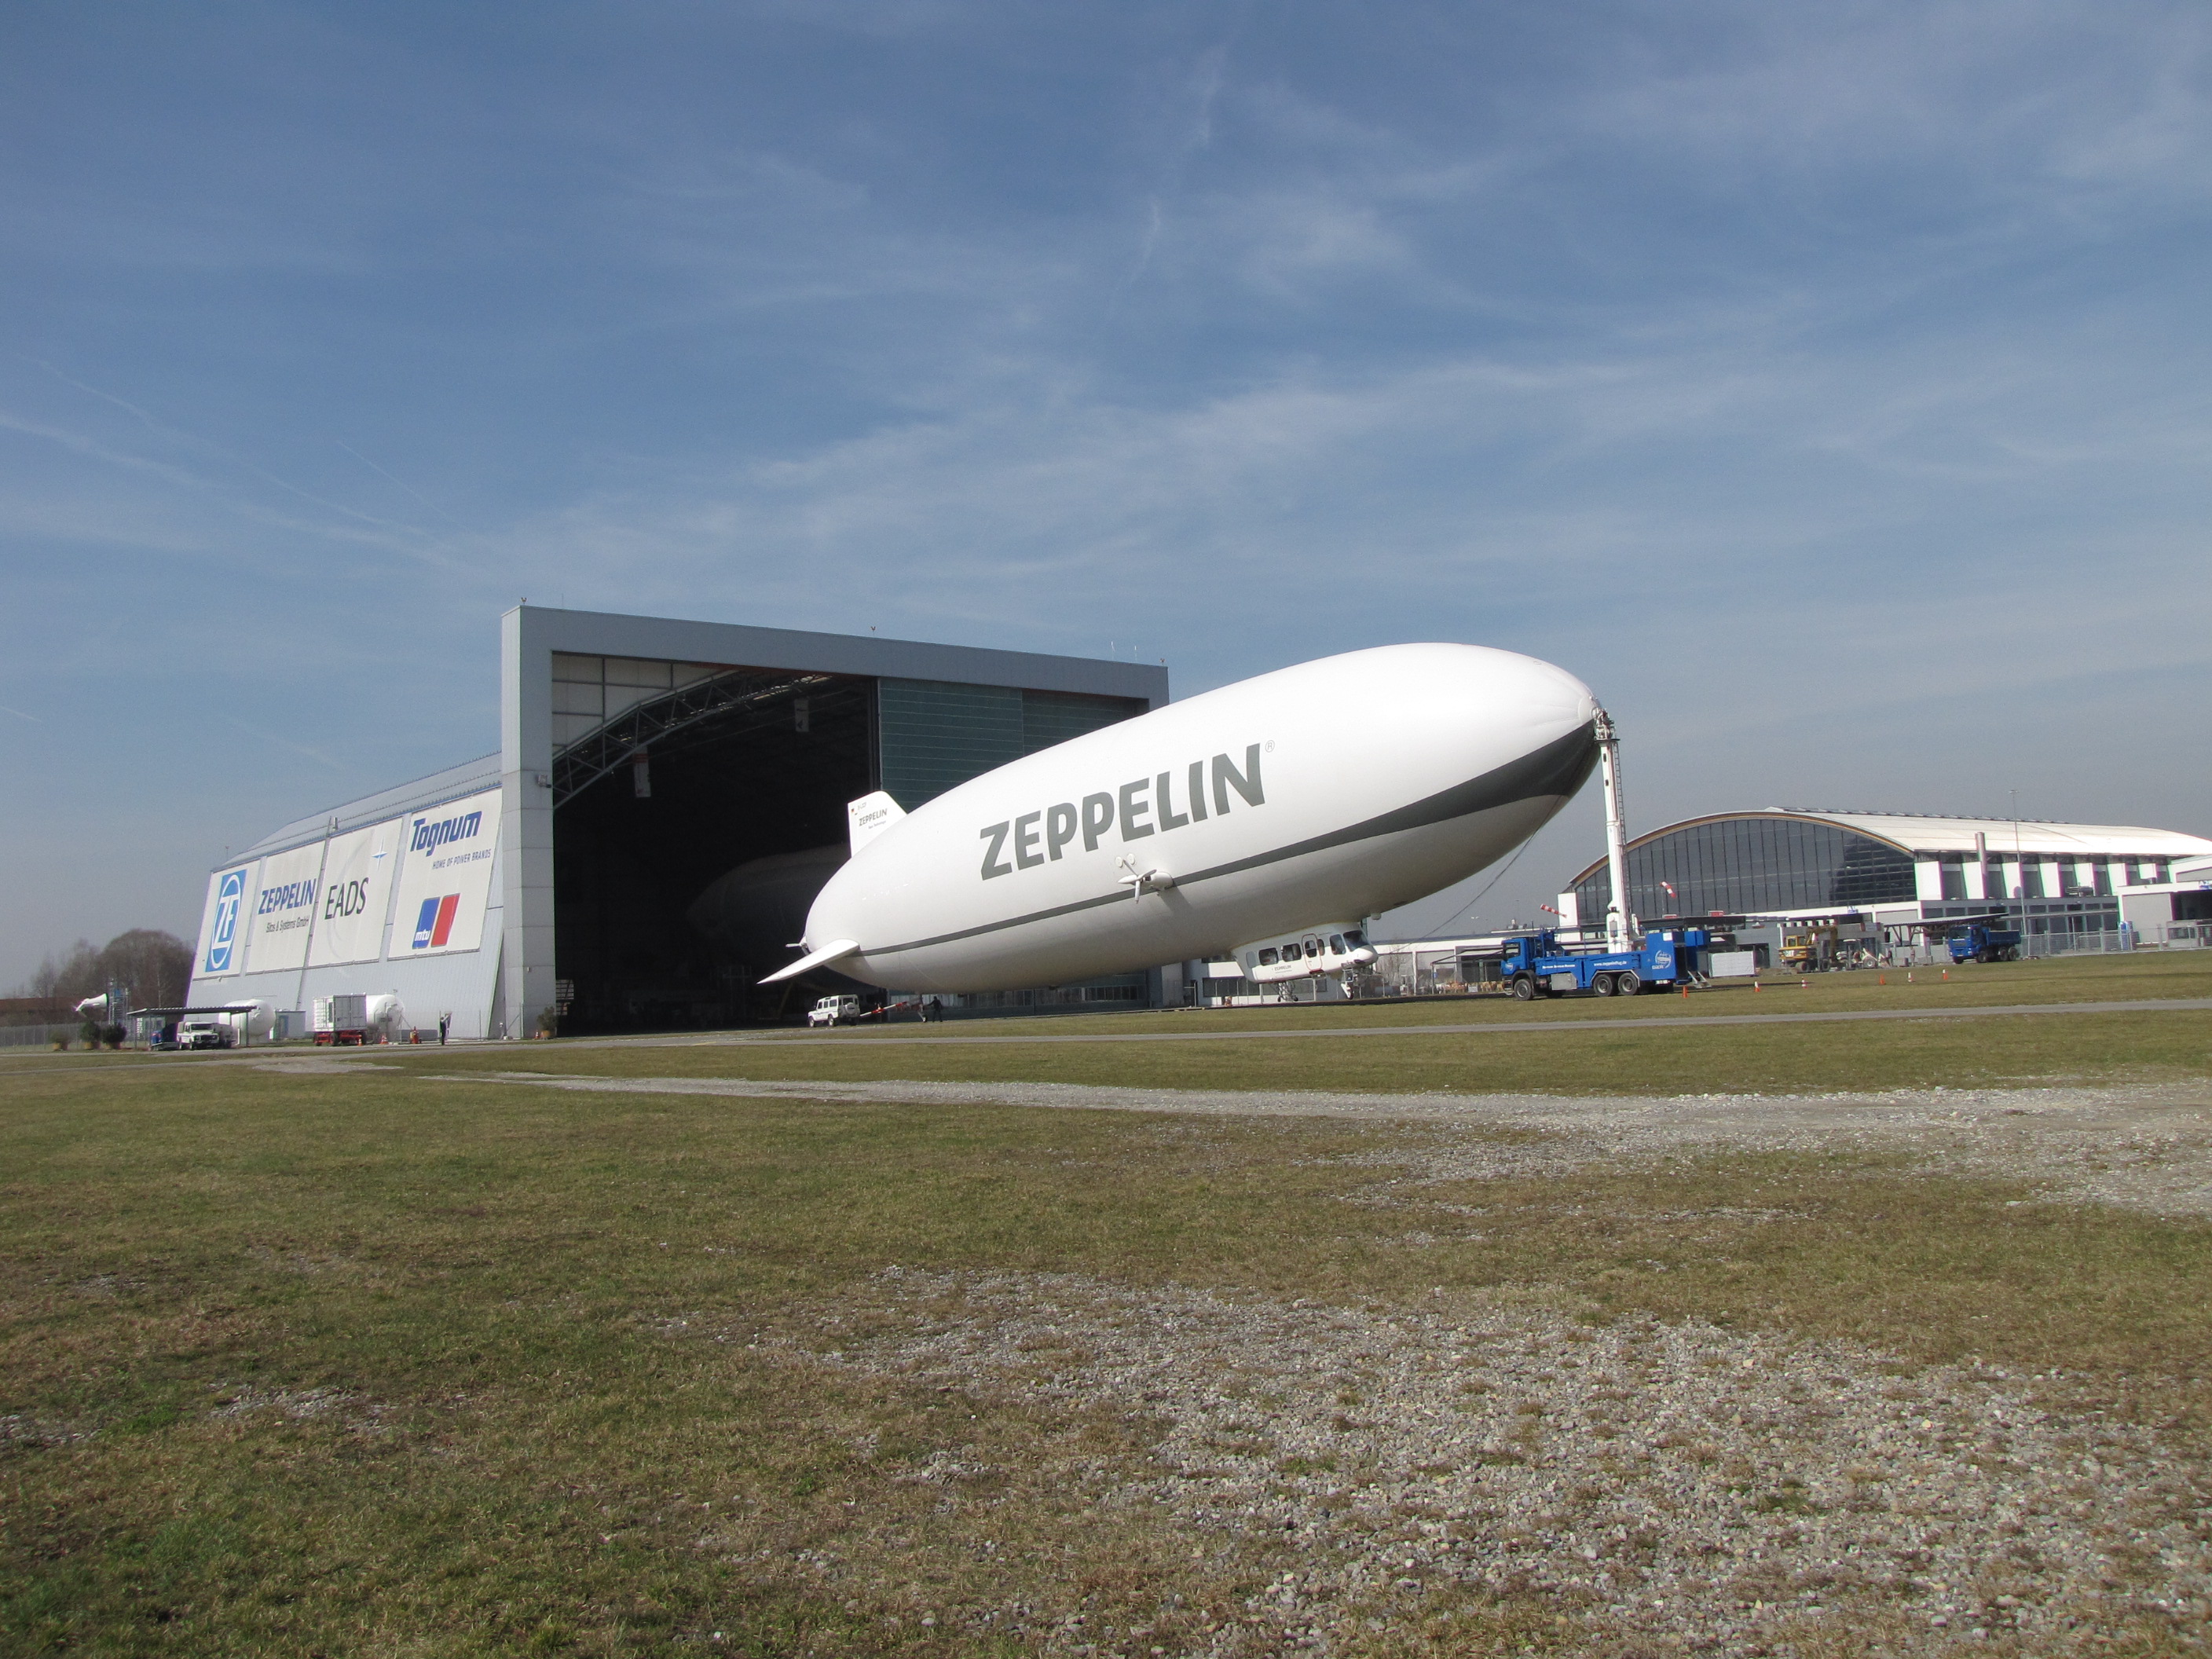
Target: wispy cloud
{"type": "Point", "coordinates": [263, 736]}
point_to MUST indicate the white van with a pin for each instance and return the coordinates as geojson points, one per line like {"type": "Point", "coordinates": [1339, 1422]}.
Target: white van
{"type": "Point", "coordinates": [835, 1011]}
{"type": "Point", "coordinates": [206, 1033]}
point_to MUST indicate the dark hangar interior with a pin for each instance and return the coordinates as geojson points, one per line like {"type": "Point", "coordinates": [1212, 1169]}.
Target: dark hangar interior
{"type": "Point", "coordinates": [698, 807]}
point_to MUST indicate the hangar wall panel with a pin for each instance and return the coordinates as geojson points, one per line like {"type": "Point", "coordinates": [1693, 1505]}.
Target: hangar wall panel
{"type": "Point", "coordinates": [933, 736]}
{"type": "Point", "coordinates": [1051, 717]}
{"type": "Point", "coordinates": [445, 877]}
{"type": "Point", "coordinates": [356, 898]}
{"type": "Point", "coordinates": [219, 954]}
{"type": "Point", "coordinates": [283, 912]}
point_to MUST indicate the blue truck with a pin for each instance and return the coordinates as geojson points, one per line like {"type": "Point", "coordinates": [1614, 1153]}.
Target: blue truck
{"type": "Point", "coordinates": [1981, 943]}
{"type": "Point", "coordinates": [1537, 966]}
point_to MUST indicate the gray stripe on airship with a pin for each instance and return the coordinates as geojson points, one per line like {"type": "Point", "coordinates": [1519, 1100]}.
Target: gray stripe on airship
{"type": "Point", "coordinates": [1559, 768]}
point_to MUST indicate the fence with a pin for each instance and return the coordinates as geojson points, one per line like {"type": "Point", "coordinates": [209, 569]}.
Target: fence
{"type": "Point", "coordinates": [2074, 945]}
{"type": "Point", "coordinates": [38, 1037]}
{"type": "Point", "coordinates": [2179, 935]}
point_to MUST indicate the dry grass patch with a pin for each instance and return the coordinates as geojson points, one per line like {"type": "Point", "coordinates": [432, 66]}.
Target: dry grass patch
{"type": "Point", "coordinates": [370, 1363]}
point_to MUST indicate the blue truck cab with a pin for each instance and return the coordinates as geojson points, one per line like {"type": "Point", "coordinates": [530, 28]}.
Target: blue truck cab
{"type": "Point", "coordinates": [1981, 943]}
{"type": "Point", "coordinates": [1536, 964]}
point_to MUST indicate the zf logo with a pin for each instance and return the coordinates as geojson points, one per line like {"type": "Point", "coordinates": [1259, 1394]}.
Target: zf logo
{"type": "Point", "coordinates": [434, 926]}
{"type": "Point", "coordinates": [227, 898]}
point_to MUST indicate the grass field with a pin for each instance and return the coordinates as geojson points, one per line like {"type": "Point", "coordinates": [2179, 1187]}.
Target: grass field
{"type": "Point", "coordinates": [366, 1361]}
{"type": "Point", "coordinates": [1574, 1054]}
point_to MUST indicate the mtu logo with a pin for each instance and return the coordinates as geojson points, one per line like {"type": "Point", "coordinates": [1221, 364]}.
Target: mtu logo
{"type": "Point", "coordinates": [227, 898]}
{"type": "Point", "coordinates": [434, 925]}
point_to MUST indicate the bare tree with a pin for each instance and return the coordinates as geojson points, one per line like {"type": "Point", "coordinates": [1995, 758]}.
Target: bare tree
{"type": "Point", "coordinates": [63, 981]}
{"type": "Point", "coordinates": [155, 967]}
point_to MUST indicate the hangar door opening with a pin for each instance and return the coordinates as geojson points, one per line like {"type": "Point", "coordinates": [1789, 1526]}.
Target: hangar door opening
{"type": "Point", "coordinates": [698, 808]}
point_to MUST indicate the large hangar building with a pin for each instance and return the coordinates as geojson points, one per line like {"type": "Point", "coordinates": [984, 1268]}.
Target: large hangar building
{"type": "Point", "coordinates": [2052, 881]}
{"type": "Point", "coordinates": [665, 799]}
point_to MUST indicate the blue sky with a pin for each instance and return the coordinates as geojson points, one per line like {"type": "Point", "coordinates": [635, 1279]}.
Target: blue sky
{"type": "Point", "coordinates": [1825, 386]}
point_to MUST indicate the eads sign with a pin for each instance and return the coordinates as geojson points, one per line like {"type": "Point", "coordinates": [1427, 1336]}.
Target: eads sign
{"type": "Point", "coordinates": [445, 881]}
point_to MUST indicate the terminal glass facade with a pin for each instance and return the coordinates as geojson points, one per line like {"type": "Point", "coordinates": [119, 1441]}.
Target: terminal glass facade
{"type": "Point", "coordinates": [1737, 866]}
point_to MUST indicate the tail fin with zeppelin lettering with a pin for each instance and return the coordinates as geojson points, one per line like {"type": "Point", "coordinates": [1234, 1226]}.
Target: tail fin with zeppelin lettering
{"type": "Point", "coordinates": [869, 817]}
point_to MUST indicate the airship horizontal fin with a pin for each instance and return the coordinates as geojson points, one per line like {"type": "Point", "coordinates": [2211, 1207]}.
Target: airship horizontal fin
{"type": "Point", "coordinates": [836, 951]}
{"type": "Point", "coordinates": [869, 817]}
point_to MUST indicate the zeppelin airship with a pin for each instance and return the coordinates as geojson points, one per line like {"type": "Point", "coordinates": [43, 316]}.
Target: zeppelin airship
{"type": "Point", "coordinates": [1308, 798]}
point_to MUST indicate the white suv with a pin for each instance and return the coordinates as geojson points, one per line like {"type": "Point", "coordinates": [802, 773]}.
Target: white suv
{"type": "Point", "coordinates": [835, 1011]}
{"type": "Point", "coordinates": [206, 1034]}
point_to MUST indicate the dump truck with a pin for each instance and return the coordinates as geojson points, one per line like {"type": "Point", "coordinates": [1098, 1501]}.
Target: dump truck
{"type": "Point", "coordinates": [1978, 942]}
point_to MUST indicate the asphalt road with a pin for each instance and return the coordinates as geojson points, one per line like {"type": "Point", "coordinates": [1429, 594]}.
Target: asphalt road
{"type": "Point", "coordinates": [879, 1038]}
{"type": "Point", "coordinates": [1648, 1023]}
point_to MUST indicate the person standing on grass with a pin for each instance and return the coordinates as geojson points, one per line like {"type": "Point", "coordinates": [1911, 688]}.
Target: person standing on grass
{"type": "Point", "coordinates": [444, 1021]}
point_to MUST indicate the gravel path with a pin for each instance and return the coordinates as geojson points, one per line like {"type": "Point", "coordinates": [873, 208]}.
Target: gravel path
{"type": "Point", "coordinates": [1678, 1482]}
{"type": "Point", "coordinates": [1665, 1487]}
{"type": "Point", "coordinates": [2148, 1147]}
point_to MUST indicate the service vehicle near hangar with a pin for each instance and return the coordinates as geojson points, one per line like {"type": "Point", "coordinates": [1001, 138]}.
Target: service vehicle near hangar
{"type": "Point", "coordinates": [1539, 965]}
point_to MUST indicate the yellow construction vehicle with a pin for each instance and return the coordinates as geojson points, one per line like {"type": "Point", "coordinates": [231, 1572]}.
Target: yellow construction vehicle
{"type": "Point", "coordinates": [1810, 948]}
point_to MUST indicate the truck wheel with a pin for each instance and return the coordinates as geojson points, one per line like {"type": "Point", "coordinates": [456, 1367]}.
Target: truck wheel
{"type": "Point", "coordinates": [1626, 983]}
{"type": "Point", "coordinates": [1602, 985]}
{"type": "Point", "coordinates": [1524, 988]}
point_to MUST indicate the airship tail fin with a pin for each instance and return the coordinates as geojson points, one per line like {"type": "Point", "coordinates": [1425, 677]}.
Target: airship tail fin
{"type": "Point", "coordinates": [869, 817]}
{"type": "Point", "coordinates": [836, 951]}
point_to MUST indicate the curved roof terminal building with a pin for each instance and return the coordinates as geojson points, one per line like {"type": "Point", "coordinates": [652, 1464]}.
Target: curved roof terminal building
{"type": "Point", "coordinates": [1893, 868]}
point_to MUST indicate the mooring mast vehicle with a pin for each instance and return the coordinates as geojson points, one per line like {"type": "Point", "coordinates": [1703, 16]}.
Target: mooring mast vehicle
{"type": "Point", "coordinates": [1631, 960]}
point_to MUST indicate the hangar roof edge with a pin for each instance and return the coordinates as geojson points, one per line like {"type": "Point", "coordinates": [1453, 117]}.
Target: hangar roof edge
{"type": "Point", "coordinates": [612, 634]}
{"type": "Point", "coordinates": [469, 778]}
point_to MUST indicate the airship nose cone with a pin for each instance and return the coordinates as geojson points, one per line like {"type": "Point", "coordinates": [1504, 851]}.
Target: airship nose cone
{"type": "Point", "coordinates": [1553, 696]}
{"type": "Point", "coordinates": [1546, 716]}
